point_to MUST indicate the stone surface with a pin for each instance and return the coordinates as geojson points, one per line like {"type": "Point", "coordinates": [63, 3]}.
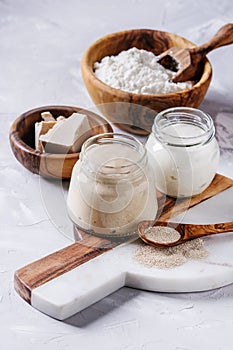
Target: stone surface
{"type": "Point", "coordinates": [41, 47]}
{"type": "Point", "coordinates": [79, 288]}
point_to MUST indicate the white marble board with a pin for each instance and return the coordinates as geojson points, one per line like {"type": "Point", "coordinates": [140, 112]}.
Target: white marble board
{"type": "Point", "coordinates": [88, 283]}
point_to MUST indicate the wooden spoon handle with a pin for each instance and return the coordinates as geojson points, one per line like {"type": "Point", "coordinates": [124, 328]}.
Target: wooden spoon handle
{"type": "Point", "coordinates": [224, 36]}
{"type": "Point", "coordinates": [223, 227]}
{"type": "Point", "coordinates": [195, 231]}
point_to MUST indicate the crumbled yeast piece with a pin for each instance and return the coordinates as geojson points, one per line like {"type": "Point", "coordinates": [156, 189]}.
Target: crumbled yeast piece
{"type": "Point", "coordinates": [47, 116]}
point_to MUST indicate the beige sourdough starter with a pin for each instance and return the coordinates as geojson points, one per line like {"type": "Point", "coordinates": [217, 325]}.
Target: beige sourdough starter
{"type": "Point", "coordinates": [112, 188]}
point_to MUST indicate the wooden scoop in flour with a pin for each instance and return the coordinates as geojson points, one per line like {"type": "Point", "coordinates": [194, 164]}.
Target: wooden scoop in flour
{"type": "Point", "coordinates": [187, 62]}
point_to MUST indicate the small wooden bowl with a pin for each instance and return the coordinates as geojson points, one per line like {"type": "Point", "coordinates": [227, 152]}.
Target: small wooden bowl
{"type": "Point", "coordinates": [128, 116]}
{"type": "Point", "coordinates": [56, 166]}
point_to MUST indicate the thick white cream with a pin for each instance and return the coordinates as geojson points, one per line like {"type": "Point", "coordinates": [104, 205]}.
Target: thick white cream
{"type": "Point", "coordinates": [115, 194]}
{"type": "Point", "coordinates": [182, 171]}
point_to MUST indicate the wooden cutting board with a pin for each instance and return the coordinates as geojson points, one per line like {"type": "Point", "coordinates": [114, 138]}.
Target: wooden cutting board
{"type": "Point", "coordinates": [75, 277]}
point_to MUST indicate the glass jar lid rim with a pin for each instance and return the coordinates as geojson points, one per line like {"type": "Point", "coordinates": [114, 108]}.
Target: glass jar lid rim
{"type": "Point", "coordinates": [117, 138]}
{"type": "Point", "coordinates": [185, 112]}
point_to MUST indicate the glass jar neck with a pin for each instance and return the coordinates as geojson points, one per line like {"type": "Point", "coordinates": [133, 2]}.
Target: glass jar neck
{"type": "Point", "coordinates": [113, 155]}
{"type": "Point", "coordinates": [183, 127]}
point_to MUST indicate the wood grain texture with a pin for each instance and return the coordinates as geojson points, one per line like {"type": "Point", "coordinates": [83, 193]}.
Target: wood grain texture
{"type": "Point", "coordinates": [125, 114]}
{"type": "Point", "coordinates": [56, 166]}
{"type": "Point", "coordinates": [173, 207]}
{"type": "Point", "coordinates": [190, 231]}
{"type": "Point", "coordinates": [56, 264]}
{"type": "Point", "coordinates": [190, 60]}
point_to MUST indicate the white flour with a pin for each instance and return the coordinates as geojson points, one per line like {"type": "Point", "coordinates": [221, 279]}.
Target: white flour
{"type": "Point", "coordinates": [137, 71]}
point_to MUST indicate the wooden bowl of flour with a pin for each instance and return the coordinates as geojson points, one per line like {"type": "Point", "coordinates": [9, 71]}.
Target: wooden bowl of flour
{"type": "Point", "coordinates": [50, 165]}
{"type": "Point", "coordinates": [130, 111]}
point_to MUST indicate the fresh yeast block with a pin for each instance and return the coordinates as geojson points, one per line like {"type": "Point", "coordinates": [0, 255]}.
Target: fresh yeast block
{"type": "Point", "coordinates": [42, 128]}
{"type": "Point", "coordinates": [67, 136]}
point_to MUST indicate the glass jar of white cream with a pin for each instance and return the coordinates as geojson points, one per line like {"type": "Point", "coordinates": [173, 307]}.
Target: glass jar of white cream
{"type": "Point", "coordinates": [112, 187]}
{"type": "Point", "coordinates": [183, 151]}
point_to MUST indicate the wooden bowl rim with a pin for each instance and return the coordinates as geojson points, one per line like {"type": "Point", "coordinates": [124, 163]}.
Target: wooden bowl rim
{"type": "Point", "coordinates": [88, 70]}
{"type": "Point", "coordinates": [19, 143]}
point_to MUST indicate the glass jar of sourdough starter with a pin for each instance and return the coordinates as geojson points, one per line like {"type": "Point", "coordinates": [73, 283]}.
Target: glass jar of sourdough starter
{"type": "Point", "coordinates": [112, 187]}
{"type": "Point", "coordinates": [183, 151]}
